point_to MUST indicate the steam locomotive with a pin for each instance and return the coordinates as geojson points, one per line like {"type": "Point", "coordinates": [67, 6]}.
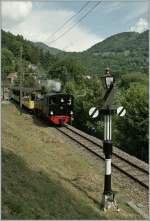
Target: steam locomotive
{"type": "Point", "coordinates": [56, 107]}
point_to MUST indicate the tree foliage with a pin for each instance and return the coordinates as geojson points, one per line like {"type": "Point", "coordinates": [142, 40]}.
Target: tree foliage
{"type": "Point", "coordinates": [8, 62]}
{"type": "Point", "coordinates": [131, 131]}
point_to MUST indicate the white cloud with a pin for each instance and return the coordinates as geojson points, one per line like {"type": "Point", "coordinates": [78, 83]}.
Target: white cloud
{"type": "Point", "coordinates": [140, 26]}
{"type": "Point", "coordinates": [79, 40]}
{"type": "Point", "coordinates": [14, 12]}
{"type": "Point", "coordinates": [137, 12]}
{"type": "Point", "coordinates": [39, 26]}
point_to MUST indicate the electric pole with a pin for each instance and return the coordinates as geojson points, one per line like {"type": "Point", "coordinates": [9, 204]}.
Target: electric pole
{"type": "Point", "coordinates": [3, 77]}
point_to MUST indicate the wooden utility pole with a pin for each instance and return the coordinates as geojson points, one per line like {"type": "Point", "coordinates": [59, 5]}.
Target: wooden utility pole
{"type": "Point", "coordinates": [3, 77]}
{"type": "Point", "coordinates": [21, 79]}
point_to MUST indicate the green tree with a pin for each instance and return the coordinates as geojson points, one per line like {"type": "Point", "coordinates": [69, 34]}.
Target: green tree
{"type": "Point", "coordinates": [8, 61]}
{"type": "Point", "coordinates": [133, 77]}
{"type": "Point", "coordinates": [131, 131]}
{"type": "Point", "coordinates": [66, 70]}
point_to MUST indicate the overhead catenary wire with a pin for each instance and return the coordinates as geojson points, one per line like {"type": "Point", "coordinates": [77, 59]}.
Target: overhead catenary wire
{"type": "Point", "coordinates": [70, 28]}
{"type": "Point", "coordinates": [68, 20]}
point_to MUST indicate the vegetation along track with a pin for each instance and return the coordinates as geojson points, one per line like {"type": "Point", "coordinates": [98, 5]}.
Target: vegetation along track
{"type": "Point", "coordinates": [128, 165]}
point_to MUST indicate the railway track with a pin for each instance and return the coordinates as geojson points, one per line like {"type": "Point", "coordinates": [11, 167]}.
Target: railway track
{"type": "Point", "coordinates": [135, 170]}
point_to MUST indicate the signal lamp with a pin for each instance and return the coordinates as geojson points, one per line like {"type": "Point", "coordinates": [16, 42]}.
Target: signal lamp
{"type": "Point", "coordinates": [107, 79]}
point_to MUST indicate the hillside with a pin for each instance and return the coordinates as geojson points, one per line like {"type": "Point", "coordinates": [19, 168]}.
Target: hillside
{"type": "Point", "coordinates": [45, 48]}
{"type": "Point", "coordinates": [122, 52]}
{"type": "Point", "coordinates": [31, 54]}
{"type": "Point", "coordinates": [117, 42]}
{"type": "Point", "coordinates": [46, 177]}
{"type": "Point", "coordinates": [127, 51]}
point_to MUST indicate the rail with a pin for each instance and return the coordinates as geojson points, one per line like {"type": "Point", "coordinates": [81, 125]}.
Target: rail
{"type": "Point", "coordinates": [133, 167]}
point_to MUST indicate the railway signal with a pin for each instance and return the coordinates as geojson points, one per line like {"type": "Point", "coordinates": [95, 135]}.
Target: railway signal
{"type": "Point", "coordinates": [108, 83]}
{"type": "Point", "coordinates": [121, 111]}
{"type": "Point", "coordinates": [93, 112]}
{"type": "Point", "coordinates": [108, 199]}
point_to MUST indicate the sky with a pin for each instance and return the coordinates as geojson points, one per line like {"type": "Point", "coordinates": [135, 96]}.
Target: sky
{"type": "Point", "coordinates": [73, 25]}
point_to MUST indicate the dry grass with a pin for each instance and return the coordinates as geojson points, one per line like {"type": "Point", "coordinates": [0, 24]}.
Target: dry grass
{"type": "Point", "coordinates": [43, 177]}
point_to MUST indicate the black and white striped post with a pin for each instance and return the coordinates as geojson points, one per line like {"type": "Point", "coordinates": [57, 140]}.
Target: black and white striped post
{"type": "Point", "coordinates": [107, 147]}
{"type": "Point", "coordinates": [108, 200]}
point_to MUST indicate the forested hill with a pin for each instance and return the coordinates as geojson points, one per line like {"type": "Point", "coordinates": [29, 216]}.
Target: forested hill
{"type": "Point", "coordinates": [53, 51]}
{"type": "Point", "coordinates": [31, 54]}
{"type": "Point", "coordinates": [122, 52]}
{"type": "Point", "coordinates": [118, 42]}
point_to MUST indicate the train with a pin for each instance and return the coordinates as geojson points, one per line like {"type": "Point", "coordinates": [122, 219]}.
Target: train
{"type": "Point", "coordinates": [56, 107]}
{"type": "Point", "coordinates": [28, 96]}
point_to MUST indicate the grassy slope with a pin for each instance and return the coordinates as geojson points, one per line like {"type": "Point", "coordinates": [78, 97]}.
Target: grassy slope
{"type": "Point", "coordinates": [43, 177]}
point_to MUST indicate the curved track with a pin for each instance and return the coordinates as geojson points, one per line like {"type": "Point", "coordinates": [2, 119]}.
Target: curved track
{"type": "Point", "coordinates": [132, 169]}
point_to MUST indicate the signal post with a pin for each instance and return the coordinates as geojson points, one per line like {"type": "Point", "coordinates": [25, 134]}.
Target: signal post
{"type": "Point", "coordinates": [108, 198]}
